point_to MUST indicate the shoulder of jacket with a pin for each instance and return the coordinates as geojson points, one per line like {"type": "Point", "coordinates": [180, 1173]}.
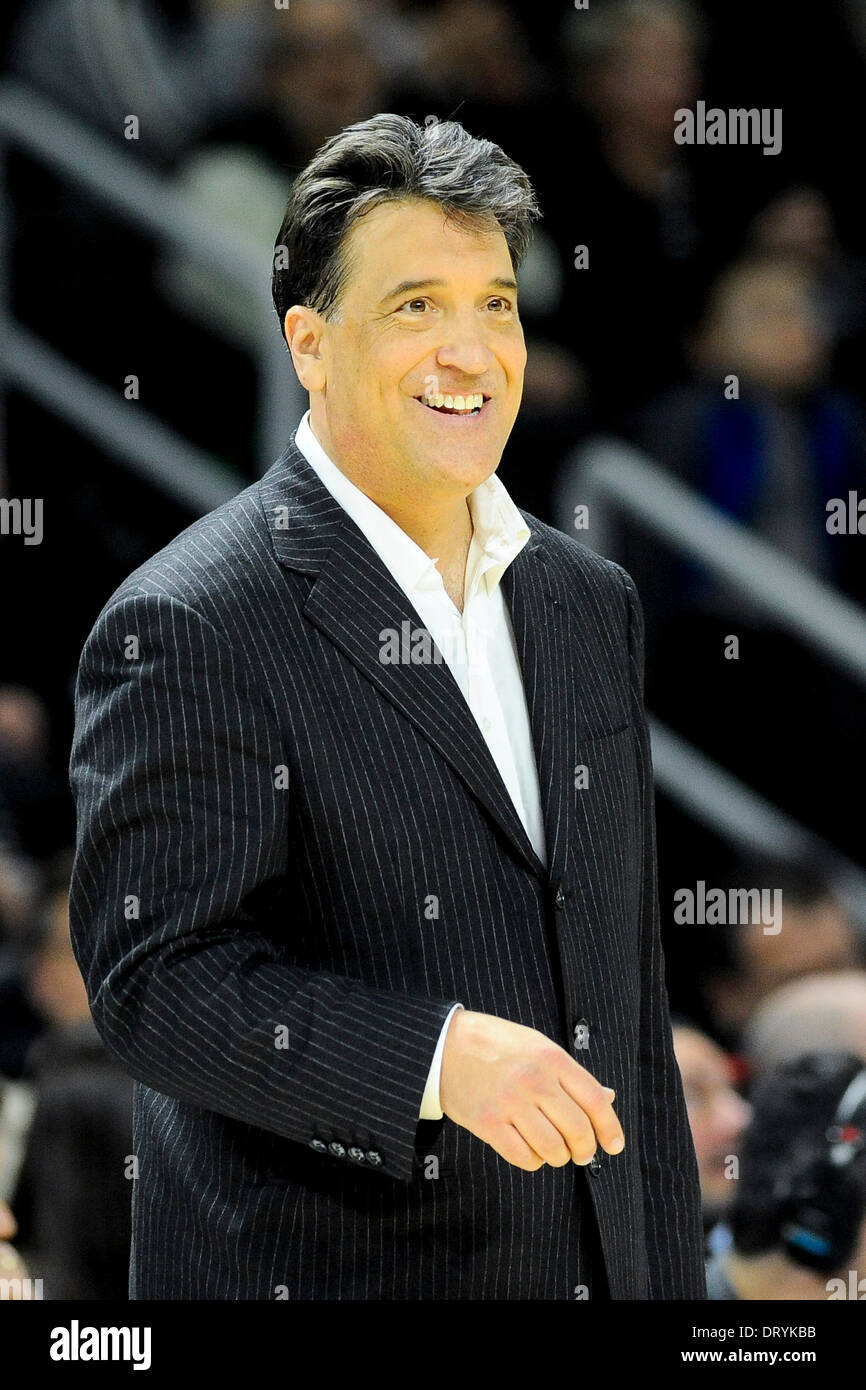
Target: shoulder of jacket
{"type": "Point", "coordinates": [578, 561]}
{"type": "Point", "coordinates": [193, 568]}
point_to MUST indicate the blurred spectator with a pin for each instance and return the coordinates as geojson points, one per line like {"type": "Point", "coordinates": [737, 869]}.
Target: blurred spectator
{"type": "Point", "coordinates": [34, 799]}
{"type": "Point", "coordinates": [629, 196]}
{"type": "Point", "coordinates": [633, 64]}
{"type": "Point", "coordinates": [40, 983]}
{"type": "Point", "coordinates": [797, 1219]}
{"type": "Point", "coordinates": [818, 1012]}
{"type": "Point", "coordinates": [12, 1267]}
{"type": "Point", "coordinates": [489, 59]}
{"type": "Point", "coordinates": [79, 1139]}
{"type": "Point", "coordinates": [799, 223]}
{"type": "Point", "coordinates": [74, 1190]}
{"type": "Point", "coordinates": [396, 29]}
{"type": "Point", "coordinates": [52, 978]}
{"type": "Point", "coordinates": [816, 934]}
{"type": "Point", "coordinates": [19, 890]}
{"type": "Point", "coordinates": [759, 430]}
{"type": "Point", "coordinates": [175, 64]}
{"type": "Point", "coordinates": [319, 72]}
{"type": "Point", "coordinates": [717, 1113]}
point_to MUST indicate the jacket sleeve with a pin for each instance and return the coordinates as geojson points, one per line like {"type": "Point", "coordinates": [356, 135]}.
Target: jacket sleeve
{"type": "Point", "coordinates": [181, 901]}
{"type": "Point", "coordinates": [672, 1196]}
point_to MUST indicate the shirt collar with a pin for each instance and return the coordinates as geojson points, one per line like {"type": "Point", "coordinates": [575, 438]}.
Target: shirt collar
{"type": "Point", "coordinates": [499, 531]}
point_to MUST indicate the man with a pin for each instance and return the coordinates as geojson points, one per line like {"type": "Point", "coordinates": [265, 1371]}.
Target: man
{"type": "Point", "coordinates": [717, 1114]}
{"type": "Point", "coordinates": [819, 1013]}
{"type": "Point", "coordinates": [815, 936]}
{"type": "Point", "coordinates": [363, 746]}
{"type": "Point", "coordinates": [15, 1281]}
{"type": "Point", "coordinates": [797, 1222]}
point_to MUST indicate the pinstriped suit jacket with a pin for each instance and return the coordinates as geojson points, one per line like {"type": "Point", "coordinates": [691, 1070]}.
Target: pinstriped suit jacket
{"type": "Point", "coordinates": [292, 859]}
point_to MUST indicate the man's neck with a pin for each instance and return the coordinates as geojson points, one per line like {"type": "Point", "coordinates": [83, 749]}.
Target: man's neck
{"type": "Point", "coordinates": [452, 568]}
{"type": "Point", "coordinates": [444, 531]}
{"type": "Point", "coordinates": [441, 527]}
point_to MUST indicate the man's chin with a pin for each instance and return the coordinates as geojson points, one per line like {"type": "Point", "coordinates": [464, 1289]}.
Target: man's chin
{"type": "Point", "coordinates": [460, 477]}
{"type": "Point", "coordinates": [459, 462]}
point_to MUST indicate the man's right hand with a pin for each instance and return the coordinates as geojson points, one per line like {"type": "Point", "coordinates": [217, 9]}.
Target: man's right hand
{"type": "Point", "coordinates": [523, 1094]}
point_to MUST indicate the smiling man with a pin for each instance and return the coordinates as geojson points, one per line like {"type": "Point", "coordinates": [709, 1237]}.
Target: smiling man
{"type": "Point", "coordinates": [416, 386]}
{"type": "Point", "coordinates": [378, 938]}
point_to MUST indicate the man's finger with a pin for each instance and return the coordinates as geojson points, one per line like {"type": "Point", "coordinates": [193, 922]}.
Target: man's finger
{"type": "Point", "coordinates": [594, 1101]}
{"type": "Point", "coordinates": [573, 1124]}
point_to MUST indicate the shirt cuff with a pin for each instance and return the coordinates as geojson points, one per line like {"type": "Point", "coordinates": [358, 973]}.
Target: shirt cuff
{"type": "Point", "coordinates": [430, 1107]}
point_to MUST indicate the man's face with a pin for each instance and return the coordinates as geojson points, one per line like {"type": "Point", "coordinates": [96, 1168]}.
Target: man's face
{"type": "Point", "coordinates": [717, 1113]}
{"type": "Point", "coordinates": [429, 307]}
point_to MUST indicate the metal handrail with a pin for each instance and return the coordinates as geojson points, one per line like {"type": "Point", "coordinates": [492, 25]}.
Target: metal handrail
{"type": "Point", "coordinates": [609, 472]}
{"type": "Point", "coordinates": [149, 201]}
{"type": "Point", "coordinates": [743, 817]}
{"type": "Point", "coordinates": [195, 478]}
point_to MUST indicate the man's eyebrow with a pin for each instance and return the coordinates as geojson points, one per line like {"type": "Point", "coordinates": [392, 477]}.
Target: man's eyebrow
{"type": "Point", "coordinates": [499, 282]}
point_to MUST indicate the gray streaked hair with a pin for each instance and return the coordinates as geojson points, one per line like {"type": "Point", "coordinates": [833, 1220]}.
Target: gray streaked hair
{"type": "Point", "coordinates": [390, 158]}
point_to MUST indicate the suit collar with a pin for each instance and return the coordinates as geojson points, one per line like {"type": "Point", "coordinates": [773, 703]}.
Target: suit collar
{"type": "Point", "coordinates": [499, 529]}
{"type": "Point", "coordinates": [355, 597]}
{"type": "Point", "coordinates": [303, 516]}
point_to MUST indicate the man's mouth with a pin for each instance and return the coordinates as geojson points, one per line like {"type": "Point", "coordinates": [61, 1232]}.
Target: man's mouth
{"type": "Point", "coordinates": [455, 405]}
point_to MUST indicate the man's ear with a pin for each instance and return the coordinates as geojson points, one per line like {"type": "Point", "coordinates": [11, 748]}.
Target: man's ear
{"type": "Point", "coordinates": [304, 328]}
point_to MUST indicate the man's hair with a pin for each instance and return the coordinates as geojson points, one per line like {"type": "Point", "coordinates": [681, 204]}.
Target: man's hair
{"type": "Point", "coordinates": [379, 160]}
{"type": "Point", "coordinates": [784, 1152]}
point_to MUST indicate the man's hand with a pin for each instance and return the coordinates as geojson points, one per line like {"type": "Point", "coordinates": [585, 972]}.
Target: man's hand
{"type": "Point", "coordinates": [523, 1094]}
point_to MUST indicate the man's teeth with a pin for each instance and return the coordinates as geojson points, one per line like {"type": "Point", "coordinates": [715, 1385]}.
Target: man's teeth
{"type": "Point", "coordinates": [466, 404]}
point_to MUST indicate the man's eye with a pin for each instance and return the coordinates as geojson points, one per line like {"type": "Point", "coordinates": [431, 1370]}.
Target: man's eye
{"type": "Point", "coordinates": [506, 303]}
{"type": "Point", "coordinates": [410, 302]}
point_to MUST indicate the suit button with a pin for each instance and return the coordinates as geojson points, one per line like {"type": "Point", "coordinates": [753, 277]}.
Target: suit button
{"type": "Point", "coordinates": [560, 897]}
{"type": "Point", "coordinates": [336, 1149]}
{"type": "Point", "coordinates": [581, 1033]}
{"type": "Point", "coordinates": [356, 1153]}
{"type": "Point", "coordinates": [595, 1164]}
{"type": "Point", "coordinates": [319, 1145]}
{"type": "Point", "coordinates": [373, 1156]}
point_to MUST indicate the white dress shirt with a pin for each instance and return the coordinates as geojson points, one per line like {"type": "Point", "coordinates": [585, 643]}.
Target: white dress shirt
{"type": "Point", "coordinates": [477, 645]}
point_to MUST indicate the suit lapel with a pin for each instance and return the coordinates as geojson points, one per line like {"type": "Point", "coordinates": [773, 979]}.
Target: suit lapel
{"type": "Point", "coordinates": [545, 647]}
{"type": "Point", "coordinates": [355, 599]}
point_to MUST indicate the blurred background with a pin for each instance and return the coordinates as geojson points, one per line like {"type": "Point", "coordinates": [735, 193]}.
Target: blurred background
{"type": "Point", "coordinates": [694, 402]}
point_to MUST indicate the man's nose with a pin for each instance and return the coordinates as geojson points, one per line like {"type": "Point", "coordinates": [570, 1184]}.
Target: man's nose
{"type": "Point", "coordinates": [465, 349]}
